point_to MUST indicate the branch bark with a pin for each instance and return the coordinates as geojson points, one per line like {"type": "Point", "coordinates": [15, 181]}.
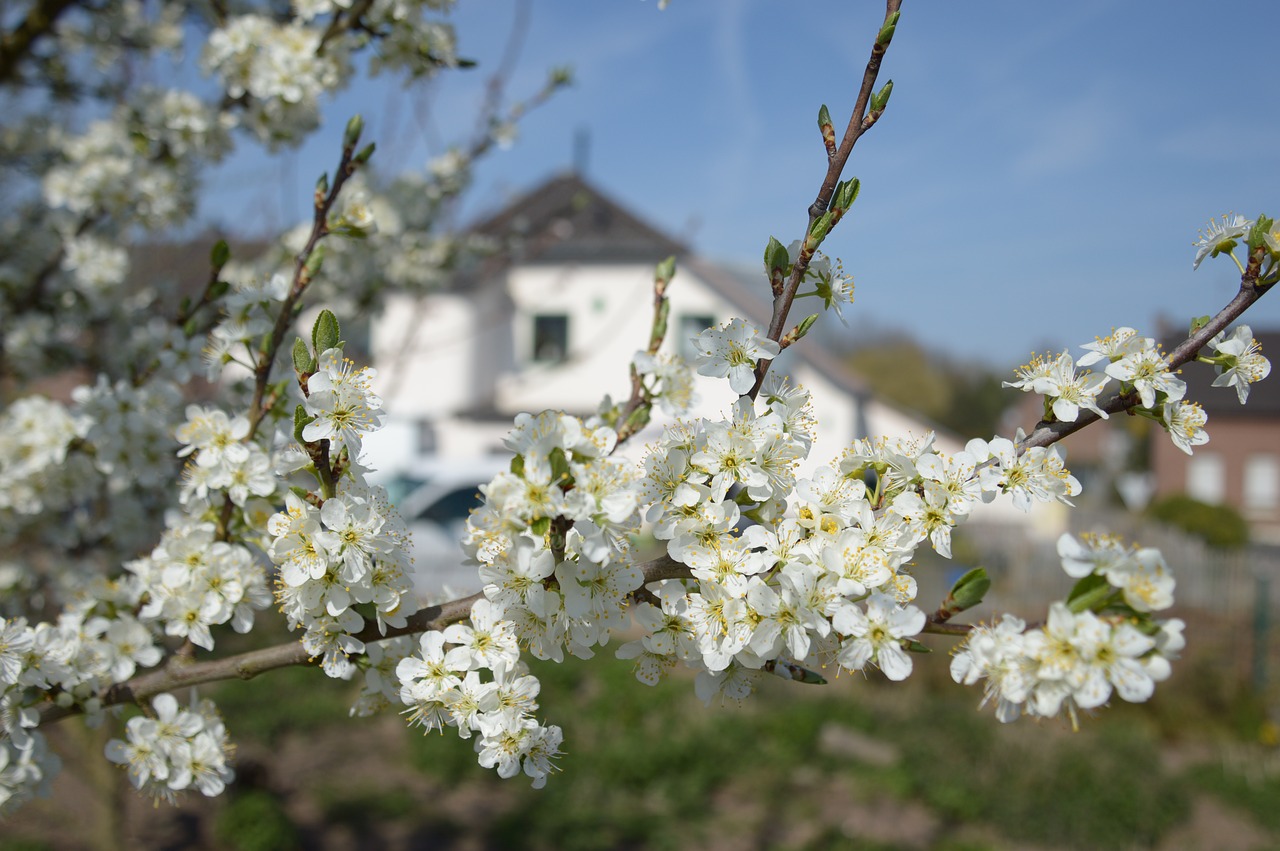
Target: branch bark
{"type": "Point", "coordinates": [835, 167]}
{"type": "Point", "coordinates": [180, 671]}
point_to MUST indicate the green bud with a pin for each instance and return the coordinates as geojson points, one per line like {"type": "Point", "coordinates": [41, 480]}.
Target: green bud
{"type": "Point", "coordinates": [517, 466]}
{"type": "Point", "coordinates": [803, 327]}
{"type": "Point", "coordinates": [303, 363]}
{"type": "Point", "coordinates": [325, 334]}
{"type": "Point", "coordinates": [365, 153]}
{"type": "Point", "coordinates": [880, 99]}
{"type": "Point", "coordinates": [819, 230]}
{"type": "Point", "coordinates": [1198, 323]}
{"type": "Point", "coordinates": [351, 137]}
{"type": "Point", "coordinates": [218, 289]}
{"type": "Point", "coordinates": [886, 32]}
{"type": "Point", "coordinates": [322, 186]}
{"type": "Point", "coordinates": [824, 116]}
{"type": "Point", "coordinates": [916, 647]}
{"type": "Point", "coordinates": [666, 270]}
{"type": "Point", "coordinates": [314, 262]}
{"type": "Point", "coordinates": [659, 332]}
{"type": "Point", "coordinates": [561, 75]}
{"type": "Point", "coordinates": [219, 254]}
{"type": "Point", "coordinates": [300, 421]}
{"type": "Point", "coordinates": [541, 526]}
{"type": "Point", "coordinates": [638, 419]}
{"type": "Point", "coordinates": [968, 591]}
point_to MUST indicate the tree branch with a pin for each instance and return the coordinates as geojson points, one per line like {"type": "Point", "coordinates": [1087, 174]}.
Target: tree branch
{"type": "Point", "coordinates": [835, 167]}
{"type": "Point", "coordinates": [180, 671]}
{"type": "Point", "coordinates": [1048, 433]}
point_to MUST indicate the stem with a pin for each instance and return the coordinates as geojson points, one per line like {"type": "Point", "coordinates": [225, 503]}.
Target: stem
{"type": "Point", "coordinates": [1046, 434]}
{"type": "Point", "coordinates": [855, 129]}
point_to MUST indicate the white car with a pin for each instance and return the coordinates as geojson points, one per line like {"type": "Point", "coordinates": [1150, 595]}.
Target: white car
{"type": "Point", "coordinates": [436, 502]}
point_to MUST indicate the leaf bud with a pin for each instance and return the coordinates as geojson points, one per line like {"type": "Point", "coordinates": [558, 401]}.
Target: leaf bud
{"type": "Point", "coordinates": [880, 99]}
{"type": "Point", "coordinates": [325, 334]}
{"type": "Point", "coordinates": [219, 254]}
{"type": "Point", "coordinates": [303, 363]}
{"type": "Point", "coordinates": [351, 137]}
{"type": "Point", "coordinates": [886, 32]}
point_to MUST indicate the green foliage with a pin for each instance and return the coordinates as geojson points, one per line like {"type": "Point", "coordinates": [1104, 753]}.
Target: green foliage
{"type": "Point", "coordinates": [255, 821]}
{"type": "Point", "coordinates": [1219, 525]}
{"type": "Point", "coordinates": [250, 718]}
{"type": "Point", "coordinates": [1256, 795]}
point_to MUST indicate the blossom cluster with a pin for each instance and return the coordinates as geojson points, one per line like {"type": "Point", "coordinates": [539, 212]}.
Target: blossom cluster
{"type": "Point", "coordinates": [447, 688]}
{"type": "Point", "coordinates": [552, 544]}
{"type": "Point", "coordinates": [1138, 366]}
{"type": "Point", "coordinates": [1102, 639]}
{"type": "Point", "coordinates": [172, 749]}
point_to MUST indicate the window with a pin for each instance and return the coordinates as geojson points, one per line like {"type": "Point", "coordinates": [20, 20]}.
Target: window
{"type": "Point", "coordinates": [1205, 478]}
{"type": "Point", "coordinates": [426, 437]}
{"type": "Point", "coordinates": [690, 326]}
{"type": "Point", "coordinates": [1261, 482]}
{"type": "Point", "coordinates": [550, 338]}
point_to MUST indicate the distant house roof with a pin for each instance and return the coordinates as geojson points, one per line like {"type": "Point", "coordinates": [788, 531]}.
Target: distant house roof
{"type": "Point", "coordinates": [566, 219]}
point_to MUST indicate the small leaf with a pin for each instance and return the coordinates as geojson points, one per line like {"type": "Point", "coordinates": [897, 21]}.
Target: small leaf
{"type": "Point", "coordinates": [303, 363]}
{"type": "Point", "coordinates": [325, 334]}
{"type": "Point", "coordinates": [301, 419]}
{"type": "Point", "coordinates": [666, 270]}
{"type": "Point", "coordinates": [219, 254]}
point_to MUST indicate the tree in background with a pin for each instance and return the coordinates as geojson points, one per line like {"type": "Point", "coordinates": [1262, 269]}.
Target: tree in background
{"type": "Point", "coordinates": [139, 526]}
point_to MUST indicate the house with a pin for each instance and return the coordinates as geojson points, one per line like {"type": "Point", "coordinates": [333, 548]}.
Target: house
{"type": "Point", "coordinates": [1240, 465]}
{"type": "Point", "coordinates": [557, 324]}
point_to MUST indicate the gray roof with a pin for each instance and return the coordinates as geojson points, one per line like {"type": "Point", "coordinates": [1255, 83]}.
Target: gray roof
{"type": "Point", "coordinates": [566, 220]}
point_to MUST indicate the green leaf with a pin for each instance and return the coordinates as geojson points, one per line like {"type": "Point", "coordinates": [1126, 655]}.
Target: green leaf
{"type": "Point", "coordinates": [541, 526]}
{"type": "Point", "coordinates": [1090, 592]}
{"type": "Point", "coordinates": [303, 363]}
{"type": "Point", "coordinates": [775, 256]}
{"type": "Point", "coordinates": [517, 466]}
{"type": "Point", "coordinates": [219, 254]}
{"type": "Point", "coordinates": [916, 647]}
{"type": "Point", "coordinates": [666, 270]}
{"type": "Point", "coordinates": [1198, 323]}
{"type": "Point", "coordinates": [301, 419]}
{"type": "Point", "coordinates": [846, 193]}
{"type": "Point", "coordinates": [325, 334]}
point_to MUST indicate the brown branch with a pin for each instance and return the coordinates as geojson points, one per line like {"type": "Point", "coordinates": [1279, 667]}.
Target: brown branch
{"type": "Point", "coordinates": [835, 167]}
{"type": "Point", "coordinates": [1046, 433]}
{"type": "Point", "coordinates": [181, 671]}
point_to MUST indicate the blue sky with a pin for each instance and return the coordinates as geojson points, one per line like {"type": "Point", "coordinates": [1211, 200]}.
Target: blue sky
{"type": "Point", "coordinates": [1038, 178]}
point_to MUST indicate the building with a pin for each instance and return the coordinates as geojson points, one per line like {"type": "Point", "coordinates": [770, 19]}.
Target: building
{"type": "Point", "coordinates": [557, 324]}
